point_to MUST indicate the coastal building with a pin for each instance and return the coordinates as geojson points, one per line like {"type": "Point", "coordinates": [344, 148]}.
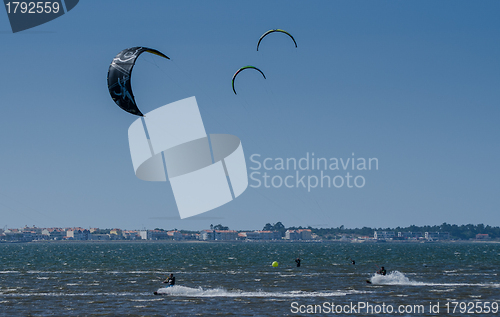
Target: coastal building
{"type": "Point", "coordinates": [261, 235]}
{"type": "Point", "coordinates": [78, 234]}
{"type": "Point", "coordinates": [190, 236]}
{"type": "Point", "coordinates": [300, 234]}
{"type": "Point", "coordinates": [117, 232]}
{"type": "Point", "coordinates": [100, 237]}
{"type": "Point", "coordinates": [437, 236]}
{"type": "Point", "coordinates": [25, 235]}
{"type": "Point", "coordinates": [410, 235]}
{"type": "Point", "coordinates": [305, 234]}
{"type": "Point", "coordinates": [482, 236]}
{"type": "Point", "coordinates": [13, 234]}
{"type": "Point", "coordinates": [292, 235]}
{"type": "Point", "coordinates": [54, 233]}
{"type": "Point", "coordinates": [131, 234]}
{"type": "Point", "coordinates": [250, 235]}
{"type": "Point", "coordinates": [153, 235]}
{"type": "Point", "coordinates": [32, 229]}
{"type": "Point", "coordinates": [207, 235]}
{"type": "Point", "coordinates": [384, 235]}
{"type": "Point", "coordinates": [224, 235]}
{"type": "Point", "coordinates": [219, 235]}
{"type": "Point", "coordinates": [175, 235]}
{"type": "Point", "coordinates": [28, 235]}
{"type": "Point", "coordinates": [363, 239]}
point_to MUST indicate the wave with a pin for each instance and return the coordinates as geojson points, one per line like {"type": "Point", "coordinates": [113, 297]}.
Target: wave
{"type": "Point", "coordinates": [393, 278]}
{"type": "Point", "coordinates": [398, 278]}
{"type": "Point", "coordinates": [220, 292]}
{"type": "Point", "coordinates": [63, 294]}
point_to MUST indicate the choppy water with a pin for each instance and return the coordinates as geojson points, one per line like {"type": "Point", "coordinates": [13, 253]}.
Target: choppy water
{"type": "Point", "coordinates": [237, 279]}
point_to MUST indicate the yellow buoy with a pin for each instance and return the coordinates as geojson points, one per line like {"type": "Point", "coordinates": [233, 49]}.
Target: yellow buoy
{"type": "Point", "coordinates": [275, 264]}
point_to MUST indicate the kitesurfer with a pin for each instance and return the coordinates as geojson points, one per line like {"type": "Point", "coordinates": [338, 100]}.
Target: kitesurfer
{"type": "Point", "coordinates": [297, 260]}
{"type": "Point", "coordinates": [382, 271]}
{"type": "Point", "coordinates": [170, 280]}
{"type": "Point", "coordinates": [353, 262]}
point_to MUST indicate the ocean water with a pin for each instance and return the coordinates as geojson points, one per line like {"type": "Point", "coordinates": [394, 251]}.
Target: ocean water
{"type": "Point", "coordinates": [237, 279]}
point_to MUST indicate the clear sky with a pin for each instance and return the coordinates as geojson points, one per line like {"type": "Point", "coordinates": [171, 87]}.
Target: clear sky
{"type": "Point", "coordinates": [414, 84]}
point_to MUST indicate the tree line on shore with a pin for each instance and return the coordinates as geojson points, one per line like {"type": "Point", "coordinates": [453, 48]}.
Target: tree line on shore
{"type": "Point", "coordinates": [462, 232]}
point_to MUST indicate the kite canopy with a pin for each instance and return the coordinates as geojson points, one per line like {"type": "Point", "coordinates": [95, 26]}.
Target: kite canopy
{"type": "Point", "coordinates": [119, 74]}
{"type": "Point", "coordinates": [275, 30]}
{"type": "Point", "coordinates": [243, 68]}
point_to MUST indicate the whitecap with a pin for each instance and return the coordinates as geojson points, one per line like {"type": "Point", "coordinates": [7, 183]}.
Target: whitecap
{"type": "Point", "coordinates": [178, 290]}
{"type": "Point", "coordinates": [398, 278]}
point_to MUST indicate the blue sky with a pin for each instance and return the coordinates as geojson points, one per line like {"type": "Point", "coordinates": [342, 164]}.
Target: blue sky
{"type": "Point", "coordinates": [415, 84]}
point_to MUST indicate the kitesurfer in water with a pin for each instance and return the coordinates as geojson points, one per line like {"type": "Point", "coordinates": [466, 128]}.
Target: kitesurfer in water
{"type": "Point", "coordinates": [170, 280]}
{"type": "Point", "coordinates": [382, 271]}
{"type": "Point", "coordinates": [297, 260]}
{"type": "Point", "coordinates": [353, 262]}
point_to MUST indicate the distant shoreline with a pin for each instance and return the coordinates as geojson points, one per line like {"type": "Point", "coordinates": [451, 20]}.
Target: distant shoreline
{"type": "Point", "coordinates": [248, 241]}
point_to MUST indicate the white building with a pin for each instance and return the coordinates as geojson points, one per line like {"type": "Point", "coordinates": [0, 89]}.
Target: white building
{"type": "Point", "coordinates": [219, 235]}
{"type": "Point", "coordinates": [175, 235]}
{"type": "Point", "coordinates": [79, 234]}
{"type": "Point", "coordinates": [153, 235]}
{"type": "Point", "coordinates": [54, 233]}
{"type": "Point", "coordinates": [410, 235]}
{"type": "Point", "coordinates": [263, 235]}
{"type": "Point", "coordinates": [207, 235]}
{"type": "Point", "coordinates": [300, 234]}
{"type": "Point", "coordinates": [437, 236]}
{"type": "Point", "coordinates": [305, 234]}
{"type": "Point", "coordinates": [384, 235]}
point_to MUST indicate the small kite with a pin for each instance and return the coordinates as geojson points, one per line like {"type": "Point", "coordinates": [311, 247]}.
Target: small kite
{"type": "Point", "coordinates": [243, 68]}
{"type": "Point", "coordinates": [272, 31]}
{"type": "Point", "coordinates": [119, 74]}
